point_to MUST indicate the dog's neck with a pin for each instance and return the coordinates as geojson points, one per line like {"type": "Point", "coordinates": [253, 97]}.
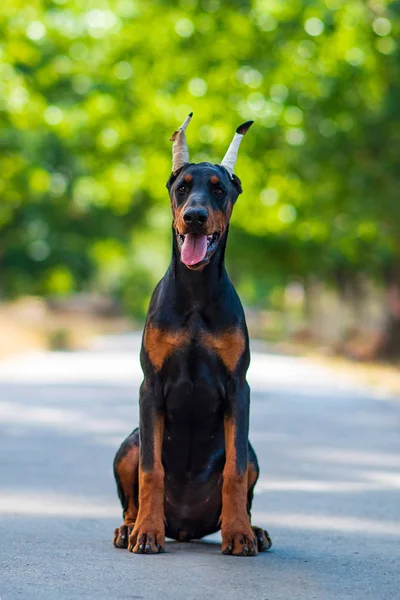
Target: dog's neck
{"type": "Point", "coordinates": [198, 287]}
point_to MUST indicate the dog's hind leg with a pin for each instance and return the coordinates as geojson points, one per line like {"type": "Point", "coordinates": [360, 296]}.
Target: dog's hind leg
{"type": "Point", "coordinates": [264, 542]}
{"type": "Point", "coordinates": [126, 472]}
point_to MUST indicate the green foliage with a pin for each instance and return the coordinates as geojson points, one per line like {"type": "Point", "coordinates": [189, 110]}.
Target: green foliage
{"type": "Point", "coordinates": [90, 92]}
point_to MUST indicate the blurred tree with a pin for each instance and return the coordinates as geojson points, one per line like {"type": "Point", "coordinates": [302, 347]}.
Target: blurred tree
{"type": "Point", "coordinates": [91, 90]}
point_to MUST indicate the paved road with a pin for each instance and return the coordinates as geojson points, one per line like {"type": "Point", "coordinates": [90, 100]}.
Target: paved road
{"type": "Point", "coordinates": [329, 492]}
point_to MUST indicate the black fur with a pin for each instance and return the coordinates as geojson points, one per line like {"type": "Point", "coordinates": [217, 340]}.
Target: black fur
{"type": "Point", "coordinates": [194, 389]}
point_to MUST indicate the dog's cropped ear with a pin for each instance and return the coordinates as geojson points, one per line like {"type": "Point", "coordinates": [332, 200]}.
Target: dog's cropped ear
{"type": "Point", "coordinates": [237, 183]}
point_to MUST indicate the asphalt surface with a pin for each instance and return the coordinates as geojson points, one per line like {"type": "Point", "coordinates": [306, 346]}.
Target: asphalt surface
{"type": "Point", "coordinates": [329, 491]}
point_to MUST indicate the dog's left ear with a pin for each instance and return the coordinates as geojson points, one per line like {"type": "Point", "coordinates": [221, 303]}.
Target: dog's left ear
{"type": "Point", "coordinates": [230, 157]}
{"type": "Point", "coordinates": [237, 183]}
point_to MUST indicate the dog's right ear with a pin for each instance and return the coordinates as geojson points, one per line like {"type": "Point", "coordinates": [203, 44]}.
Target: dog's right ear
{"type": "Point", "coordinates": [173, 177]}
{"type": "Point", "coordinates": [170, 182]}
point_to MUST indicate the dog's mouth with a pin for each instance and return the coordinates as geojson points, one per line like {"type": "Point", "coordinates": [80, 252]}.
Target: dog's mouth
{"type": "Point", "coordinates": [197, 248]}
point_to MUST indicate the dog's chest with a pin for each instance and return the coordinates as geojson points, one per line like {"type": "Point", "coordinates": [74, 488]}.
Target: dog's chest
{"type": "Point", "coordinates": [193, 348]}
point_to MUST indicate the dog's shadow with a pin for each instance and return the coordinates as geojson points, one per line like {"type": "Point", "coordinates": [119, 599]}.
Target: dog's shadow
{"type": "Point", "coordinates": [203, 546]}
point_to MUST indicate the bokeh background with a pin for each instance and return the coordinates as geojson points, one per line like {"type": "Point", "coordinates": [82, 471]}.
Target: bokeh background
{"type": "Point", "coordinates": [90, 92]}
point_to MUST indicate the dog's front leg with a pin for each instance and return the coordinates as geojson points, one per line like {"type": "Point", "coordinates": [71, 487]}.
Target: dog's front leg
{"type": "Point", "coordinates": [148, 535]}
{"type": "Point", "coordinates": [237, 534]}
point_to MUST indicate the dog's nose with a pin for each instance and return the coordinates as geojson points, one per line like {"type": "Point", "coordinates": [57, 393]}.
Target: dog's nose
{"type": "Point", "coordinates": [195, 216]}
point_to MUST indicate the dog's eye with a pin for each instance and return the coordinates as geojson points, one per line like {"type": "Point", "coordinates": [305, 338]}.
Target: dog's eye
{"type": "Point", "coordinates": [182, 189]}
{"type": "Point", "coordinates": [219, 191]}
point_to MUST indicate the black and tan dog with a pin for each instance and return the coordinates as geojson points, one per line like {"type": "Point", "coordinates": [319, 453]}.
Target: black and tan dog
{"type": "Point", "coordinates": [189, 470]}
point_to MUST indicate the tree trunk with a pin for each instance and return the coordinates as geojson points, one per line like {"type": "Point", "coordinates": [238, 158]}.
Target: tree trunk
{"type": "Point", "coordinates": [389, 345]}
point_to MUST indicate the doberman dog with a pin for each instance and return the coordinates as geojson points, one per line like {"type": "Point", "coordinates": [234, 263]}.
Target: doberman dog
{"type": "Point", "coordinates": [189, 470]}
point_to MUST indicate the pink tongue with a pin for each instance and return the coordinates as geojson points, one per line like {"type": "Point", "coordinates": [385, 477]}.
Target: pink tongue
{"type": "Point", "coordinates": [194, 248]}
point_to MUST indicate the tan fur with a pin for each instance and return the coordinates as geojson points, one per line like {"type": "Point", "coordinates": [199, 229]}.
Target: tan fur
{"type": "Point", "coordinates": [160, 343]}
{"type": "Point", "coordinates": [149, 526]}
{"type": "Point", "coordinates": [128, 473]}
{"type": "Point", "coordinates": [179, 223]}
{"type": "Point", "coordinates": [217, 220]}
{"type": "Point", "coordinates": [229, 346]}
{"type": "Point", "coordinates": [252, 475]}
{"type": "Point", "coordinates": [235, 521]}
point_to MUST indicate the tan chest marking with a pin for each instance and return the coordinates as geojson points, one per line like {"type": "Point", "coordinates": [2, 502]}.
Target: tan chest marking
{"type": "Point", "coordinates": [160, 344]}
{"type": "Point", "coordinates": [229, 346]}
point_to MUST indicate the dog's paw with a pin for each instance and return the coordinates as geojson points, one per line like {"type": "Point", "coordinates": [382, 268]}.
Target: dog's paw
{"type": "Point", "coordinates": [239, 544]}
{"type": "Point", "coordinates": [146, 542]}
{"type": "Point", "coordinates": [264, 542]}
{"type": "Point", "coordinates": [121, 536]}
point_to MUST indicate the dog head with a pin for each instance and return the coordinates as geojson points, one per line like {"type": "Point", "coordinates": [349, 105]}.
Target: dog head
{"type": "Point", "coordinates": [202, 198]}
